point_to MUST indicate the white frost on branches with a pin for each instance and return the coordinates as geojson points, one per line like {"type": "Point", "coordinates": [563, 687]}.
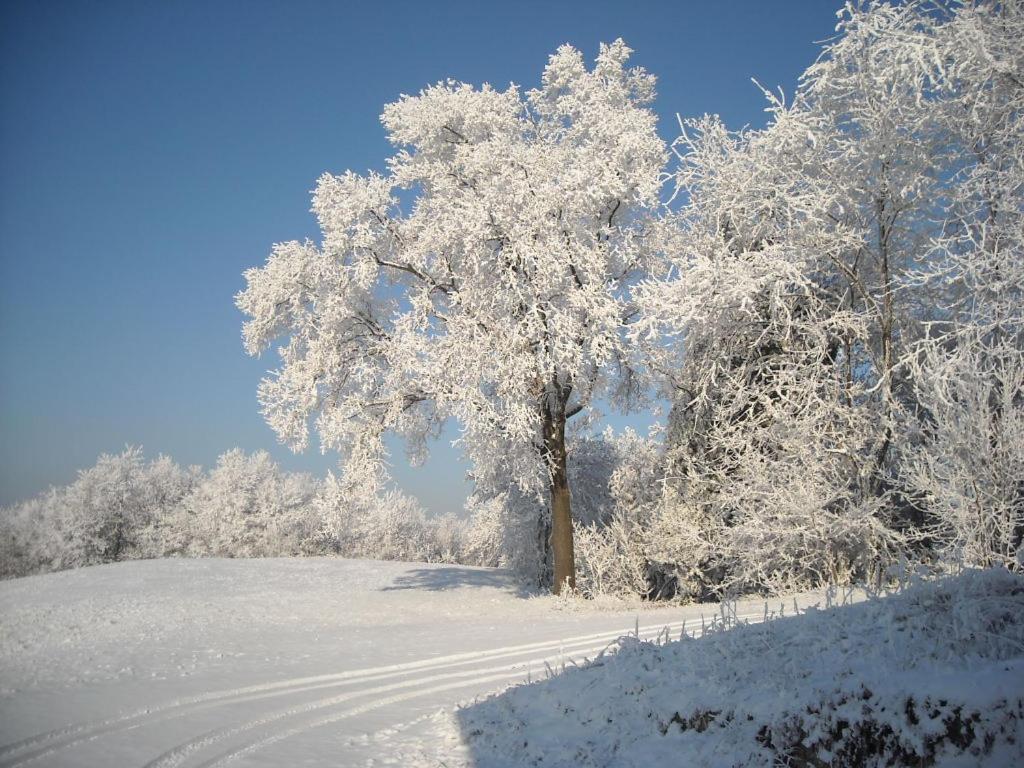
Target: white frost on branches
{"type": "Point", "coordinates": [487, 277]}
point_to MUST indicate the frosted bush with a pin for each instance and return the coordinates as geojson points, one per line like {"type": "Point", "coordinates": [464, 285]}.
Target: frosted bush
{"type": "Point", "coordinates": [109, 513]}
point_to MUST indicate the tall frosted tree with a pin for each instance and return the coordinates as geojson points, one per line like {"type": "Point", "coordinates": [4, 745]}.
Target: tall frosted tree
{"type": "Point", "coordinates": [485, 277]}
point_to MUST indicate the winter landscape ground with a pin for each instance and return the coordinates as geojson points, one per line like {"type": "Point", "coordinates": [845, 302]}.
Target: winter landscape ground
{"type": "Point", "coordinates": [329, 662]}
{"type": "Point", "coordinates": [270, 662]}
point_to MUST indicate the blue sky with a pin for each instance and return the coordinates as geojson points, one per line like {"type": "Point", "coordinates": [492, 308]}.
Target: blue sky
{"type": "Point", "coordinates": [150, 152]}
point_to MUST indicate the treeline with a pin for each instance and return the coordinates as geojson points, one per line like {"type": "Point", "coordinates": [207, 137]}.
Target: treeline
{"type": "Point", "coordinates": [126, 508]}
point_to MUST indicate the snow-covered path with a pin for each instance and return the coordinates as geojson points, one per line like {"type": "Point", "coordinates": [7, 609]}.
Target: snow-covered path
{"type": "Point", "coordinates": [271, 662]}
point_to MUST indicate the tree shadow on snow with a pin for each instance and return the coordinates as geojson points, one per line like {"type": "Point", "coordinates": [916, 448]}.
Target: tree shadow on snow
{"type": "Point", "coordinates": [455, 577]}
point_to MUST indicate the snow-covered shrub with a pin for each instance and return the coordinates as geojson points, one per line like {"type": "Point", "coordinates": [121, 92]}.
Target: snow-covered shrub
{"type": "Point", "coordinates": [110, 512]}
{"type": "Point", "coordinates": [247, 507]}
{"type": "Point", "coordinates": [624, 473]}
{"type": "Point", "coordinates": [777, 492]}
{"type": "Point", "coordinates": [388, 525]}
{"type": "Point", "coordinates": [612, 558]}
{"type": "Point", "coordinates": [509, 530]}
{"type": "Point", "coordinates": [613, 472]}
{"type": "Point", "coordinates": [446, 538]}
{"type": "Point", "coordinates": [684, 545]}
{"type": "Point", "coordinates": [968, 467]}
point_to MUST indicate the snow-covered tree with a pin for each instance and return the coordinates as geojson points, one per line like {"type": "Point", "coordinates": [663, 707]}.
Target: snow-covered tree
{"type": "Point", "coordinates": [486, 277]}
{"type": "Point", "coordinates": [924, 101]}
{"type": "Point", "coordinates": [112, 511]}
{"type": "Point", "coordinates": [834, 276]}
{"type": "Point", "coordinates": [247, 507]}
{"type": "Point", "coordinates": [966, 461]}
{"type": "Point", "coordinates": [769, 437]}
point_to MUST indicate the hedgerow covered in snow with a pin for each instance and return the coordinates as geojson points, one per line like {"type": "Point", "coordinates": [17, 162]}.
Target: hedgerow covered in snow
{"type": "Point", "coordinates": [932, 676]}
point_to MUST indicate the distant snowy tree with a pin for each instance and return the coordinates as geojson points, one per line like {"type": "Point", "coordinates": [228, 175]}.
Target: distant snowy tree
{"type": "Point", "coordinates": [371, 523]}
{"type": "Point", "coordinates": [486, 277]}
{"type": "Point", "coordinates": [167, 485]}
{"type": "Point", "coordinates": [248, 507]}
{"type": "Point", "coordinates": [27, 543]}
{"type": "Point", "coordinates": [446, 536]}
{"type": "Point", "coordinates": [102, 508]}
{"type": "Point", "coordinates": [110, 512]}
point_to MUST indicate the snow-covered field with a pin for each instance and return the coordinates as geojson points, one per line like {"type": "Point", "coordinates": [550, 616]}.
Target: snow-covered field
{"type": "Point", "coordinates": [325, 662]}
{"type": "Point", "coordinates": [278, 662]}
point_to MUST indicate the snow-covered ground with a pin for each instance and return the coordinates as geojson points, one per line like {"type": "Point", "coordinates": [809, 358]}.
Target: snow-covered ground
{"type": "Point", "coordinates": [931, 676]}
{"type": "Point", "coordinates": [279, 662]}
{"type": "Point", "coordinates": [324, 662]}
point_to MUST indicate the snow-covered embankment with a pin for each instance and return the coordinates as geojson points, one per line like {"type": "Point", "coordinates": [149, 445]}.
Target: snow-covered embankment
{"type": "Point", "coordinates": [931, 676]}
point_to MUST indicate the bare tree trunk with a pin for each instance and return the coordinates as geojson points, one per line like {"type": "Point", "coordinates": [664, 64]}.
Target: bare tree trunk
{"type": "Point", "coordinates": [561, 511]}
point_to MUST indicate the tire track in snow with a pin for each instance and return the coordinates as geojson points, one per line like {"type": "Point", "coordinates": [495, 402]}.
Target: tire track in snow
{"type": "Point", "coordinates": [338, 716]}
{"type": "Point", "coordinates": [75, 734]}
{"type": "Point", "coordinates": [182, 752]}
{"type": "Point", "coordinates": [507, 673]}
{"type": "Point", "coordinates": [40, 745]}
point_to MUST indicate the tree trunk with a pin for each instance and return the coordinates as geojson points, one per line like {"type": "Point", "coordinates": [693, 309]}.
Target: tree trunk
{"type": "Point", "coordinates": [886, 326]}
{"type": "Point", "coordinates": [561, 512]}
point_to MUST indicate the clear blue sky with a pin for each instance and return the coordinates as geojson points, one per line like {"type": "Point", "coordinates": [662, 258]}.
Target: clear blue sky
{"type": "Point", "coordinates": [151, 151]}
